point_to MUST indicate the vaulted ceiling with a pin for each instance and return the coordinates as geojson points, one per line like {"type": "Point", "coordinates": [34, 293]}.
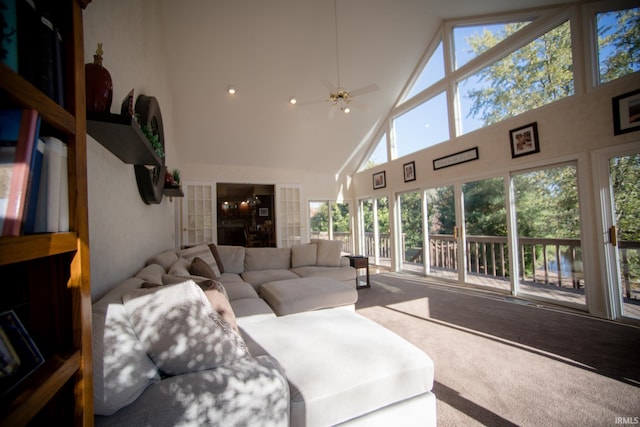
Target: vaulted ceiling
{"type": "Point", "coordinates": [273, 50]}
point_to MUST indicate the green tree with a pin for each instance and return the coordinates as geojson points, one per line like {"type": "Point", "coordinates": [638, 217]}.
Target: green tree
{"type": "Point", "coordinates": [623, 37]}
{"type": "Point", "coordinates": [534, 75]}
{"type": "Point", "coordinates": [485, 211]}
{"type": "Point", "coordinates": [411, 204]}
{"type": "Point", "coordinates": [340, 217]}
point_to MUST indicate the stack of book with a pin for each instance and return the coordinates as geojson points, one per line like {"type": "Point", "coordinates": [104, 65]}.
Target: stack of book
{"type": "Point", "coordinates": [32, 45]}
{"type": "Point", "coordinates": [34, 191]}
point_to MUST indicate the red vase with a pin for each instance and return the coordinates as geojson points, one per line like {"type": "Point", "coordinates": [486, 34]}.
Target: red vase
{"type": "Point", "coordinates": [99, 87]}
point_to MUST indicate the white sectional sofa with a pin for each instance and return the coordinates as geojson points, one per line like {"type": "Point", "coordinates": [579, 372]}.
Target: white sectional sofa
{"type": "Point", "coordinates": [163, 356]}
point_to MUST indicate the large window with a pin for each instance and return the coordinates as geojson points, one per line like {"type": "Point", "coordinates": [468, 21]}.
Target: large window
{"type": "Point", "coordinates": [334, 226]}
{"type": "Point", "coordinates": [471, 41]}
{"type": "Point", "coordinates": [421, 127]}
{"type": "Point", "coordinates": [502, 69]}
{"type": "Point", "coordinates": [618, 43]}
{"type": "Point", "coordinates": [379, 155]}
{"type": "Point", "coordinates": [537, 74]}
{"type": "Point", "coordinates": [431, 73]}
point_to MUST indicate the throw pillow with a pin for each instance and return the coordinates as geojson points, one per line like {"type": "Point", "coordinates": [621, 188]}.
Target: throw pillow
{"type": "Point", "coordinates": [203, 252]}
{"type": "Point", "coordinates": [204, 282]}
{"type": "Point", "coordinates": [220, 304]}
{"type": "Point", "coordinates": [214, 250]}
{"type": "Point", "coordinates": [179, 329]}
{"type": "Point", "coordinates": [329, 252]}
{"type": "Point", "coordinates": [179, 268]}
{"type": "Point", "coordinates": [199, 267]}
{"type": "Point", "coordinates": [302, 255]}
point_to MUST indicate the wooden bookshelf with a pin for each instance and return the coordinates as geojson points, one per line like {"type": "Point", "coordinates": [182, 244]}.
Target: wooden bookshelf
{"type": "Point", "coordinates": [46, 277]}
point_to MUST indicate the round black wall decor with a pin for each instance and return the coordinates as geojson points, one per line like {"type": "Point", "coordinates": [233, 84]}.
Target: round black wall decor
{"type": "Point", "coordinates": [150, 178]}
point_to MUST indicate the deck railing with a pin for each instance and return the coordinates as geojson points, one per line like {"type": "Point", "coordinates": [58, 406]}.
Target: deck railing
{"type": "Point", "coordinates": [549, 261]}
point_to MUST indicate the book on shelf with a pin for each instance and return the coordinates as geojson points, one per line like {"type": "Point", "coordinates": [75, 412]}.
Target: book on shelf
{"type": "Point", "coordinates": [52, 208]}
{"type": "Point", "coordinates": [19, 131]}
{"type": "Point", "coordinates": [33, 188]}
{"type": "Point", "coordinates": [9, 34]}
{"type": "Point", "coordinates": [40, 48]}
{"type": "Point", "coordinates": [19, 356]}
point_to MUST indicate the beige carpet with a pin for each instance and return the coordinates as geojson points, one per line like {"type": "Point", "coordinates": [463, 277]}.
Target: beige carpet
{"type": "Point", "coordinates": [501, 361]}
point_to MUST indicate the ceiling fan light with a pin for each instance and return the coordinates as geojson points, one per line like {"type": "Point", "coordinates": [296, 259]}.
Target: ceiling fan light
{"type": "Point", "coordinates": [346, 110]}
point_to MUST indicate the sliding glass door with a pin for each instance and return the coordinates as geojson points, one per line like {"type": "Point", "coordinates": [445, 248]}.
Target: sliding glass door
{"type": "Point", "coordinates": [442, 242]}
{"type": "Point", "coordinates": [620, 175]}
{"type": "Point", "coordinates": [375, 232]}
{"type": "Point", "coordinates": [411, 236]}
{"type": "Point", "coordinates": [548, 234]}
{"type": "Point", "coordinates": [485, 225]}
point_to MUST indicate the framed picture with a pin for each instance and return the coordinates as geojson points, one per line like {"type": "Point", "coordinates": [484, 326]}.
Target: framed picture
{"type": "Point", "coordinates": [524, 140]}
{"type": "Point", "coordinates": [626, 112]}
{"type": "Point", "coordinates": [263, 211]}
{"type": "Point", "coordinates": [409, 171]}
{"type": "Point", "coordinates": [379, 180]}
{"type": "Point", "coordinates": [19, 355]}
{"type": "Point", "coordinates": [456, 158]}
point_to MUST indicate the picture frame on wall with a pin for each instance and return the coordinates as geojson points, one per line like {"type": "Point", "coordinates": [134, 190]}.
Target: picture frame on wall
{"type": "Point", "coordinates": [379, 180]}
{"type": "Point", "coordinates": [263, 211]}
{"type": "Point", "coordinates": [626, 112]}
{"type": "Point", "coordinates": [409, 170]}
{"type": "Point", "coordinates": [524, 140]}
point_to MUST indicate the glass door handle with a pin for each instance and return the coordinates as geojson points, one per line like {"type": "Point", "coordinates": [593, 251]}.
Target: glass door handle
{"type": "Point", "coordinates": [613, 238]}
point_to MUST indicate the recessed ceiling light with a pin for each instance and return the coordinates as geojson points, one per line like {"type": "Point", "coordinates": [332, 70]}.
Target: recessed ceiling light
{"type": "Point", "coordinates": [231, 90]}
{"type": "Point", "coordinates": [292, 100]}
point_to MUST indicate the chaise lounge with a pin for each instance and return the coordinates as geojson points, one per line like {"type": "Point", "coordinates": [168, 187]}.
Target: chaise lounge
{"type": "Point", "coordinates": [163, 356]}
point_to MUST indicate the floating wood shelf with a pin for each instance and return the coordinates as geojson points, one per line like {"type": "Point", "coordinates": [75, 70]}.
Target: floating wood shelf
{"type": "Point", "coordinates": [123, 137]}
{"type": "Point", "coordinates": [173, 192]}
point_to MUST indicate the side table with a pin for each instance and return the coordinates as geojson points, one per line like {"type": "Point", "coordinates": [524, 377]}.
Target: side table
{"type": "Point", "coordinates": [359, 262]}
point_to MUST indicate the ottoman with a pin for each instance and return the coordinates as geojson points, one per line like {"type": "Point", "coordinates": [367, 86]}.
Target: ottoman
{"type": "Point", "coordinates": [306, 294]}
{"type": "Point", "coordinates": [344, 368]}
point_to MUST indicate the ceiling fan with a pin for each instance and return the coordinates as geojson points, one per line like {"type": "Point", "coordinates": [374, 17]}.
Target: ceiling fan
{"type": "Point", "coordinates": [338, 95]}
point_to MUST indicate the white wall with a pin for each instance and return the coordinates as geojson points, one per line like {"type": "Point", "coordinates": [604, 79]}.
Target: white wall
{"type": "Point", "coordinates": [123, 230]}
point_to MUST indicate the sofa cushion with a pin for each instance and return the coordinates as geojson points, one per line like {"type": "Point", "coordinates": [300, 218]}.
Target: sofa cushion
{"type": "Point", "coordinates": [250, 310]}
{"type": "Point", "coordinates": [247, 392]}
{"type": "Point", "coordinates": [232, 258]}
{"type": "Point", "coordinates": [344, 273]}
{"type": "Point", "coordinates": [165, 259]}
{"type": "Point", "coordinates": [302, 255]}
{"type": "Point", "coordinates": [341, 364]}
{"type": "Point", "coordinates": [267, 259]}
{"type": "Point", "coordinates": [329, 252]}
{"type": "Point", "coordinates": [214, 250]}
{"type": "Point", "coordinates": [180, 330]}
{"type": "Point", "coordinates": [239, 290]}
{"type": "Point", "coordinates": [203, 252]}
{"type": "Point", "coordinates": [257, 278]}
{"type": "Point", "coordinates": [121, 368]}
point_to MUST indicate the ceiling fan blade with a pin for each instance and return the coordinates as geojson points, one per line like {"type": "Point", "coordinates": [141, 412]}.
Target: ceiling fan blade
{"type": "Point", "coordinates": [367, 89]}
{"type": "Point", "coordinates": [326, 83]}
{"type": "Point", "coordinates": [331, 114]}
{"type": "Point", "coordinates": [307, 103]}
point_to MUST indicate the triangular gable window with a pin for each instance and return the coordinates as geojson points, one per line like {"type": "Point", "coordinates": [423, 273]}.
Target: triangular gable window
{"type": "Point", "coordinates": [431, 73]}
